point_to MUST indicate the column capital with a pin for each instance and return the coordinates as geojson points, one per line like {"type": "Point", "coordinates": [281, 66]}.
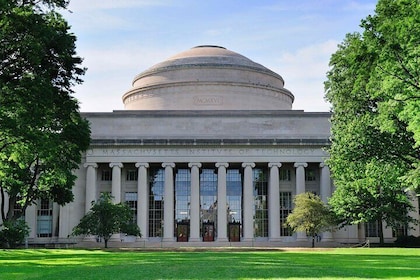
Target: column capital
{"type": "Point", "coordinates": [272, 164]}
{"type": "Point", "coordinates": [191, 164]}
{"type": "Point", "coordinates": [144, 164]}
{"type": "Point", "coordinates": [224, 164]}
{"type": "Point", "coordinates": [251, 164]}
{"type": "Point", "coordinates": [117, 164]}
{"type": "Point", "coordinates": [92, 164]}
{"type": "Point", "coordinates": [323, 164]}
{"type": "Point", "coordinates": [303, 164]}
{"type": "Point", "coordinates": [168, 164]}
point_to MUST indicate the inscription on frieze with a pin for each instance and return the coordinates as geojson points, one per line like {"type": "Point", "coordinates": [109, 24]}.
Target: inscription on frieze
{"type": "Point", "coordinates": [208, 100]}
{"type": "Point", "coordinates": [204, 152]}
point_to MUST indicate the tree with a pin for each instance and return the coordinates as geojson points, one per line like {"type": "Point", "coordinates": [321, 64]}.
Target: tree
{"type": "Point", "coordinates": [42, 133]}
{"type": "Point", "coordinates": [374, 155]}
{"type": "Point", "coordinates": [310, 215]}
{"type": "Point", "coordinates": [13, 233]}
{"type": "Point", "coordinates": [106, 218]}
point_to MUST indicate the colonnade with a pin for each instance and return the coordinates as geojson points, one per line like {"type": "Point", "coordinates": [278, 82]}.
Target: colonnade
{"type": "Point", "coordinates": [248, 198]}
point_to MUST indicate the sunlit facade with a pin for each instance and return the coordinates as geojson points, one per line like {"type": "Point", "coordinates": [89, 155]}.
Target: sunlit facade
{"type": "Point", "coordinates": [208, 152]}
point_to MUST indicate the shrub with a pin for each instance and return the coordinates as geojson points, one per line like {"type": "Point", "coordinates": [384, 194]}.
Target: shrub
{"type": "Point", "coordinates": [13, 233]}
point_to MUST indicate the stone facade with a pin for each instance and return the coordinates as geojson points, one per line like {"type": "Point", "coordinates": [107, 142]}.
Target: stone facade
{"type": "Point", "coordinates": [207, 153]}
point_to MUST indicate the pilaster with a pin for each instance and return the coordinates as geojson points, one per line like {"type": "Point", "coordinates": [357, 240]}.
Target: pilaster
{"type": "Point", "coordinates": [273, 202]}
{"type": "Point", "coordinates": [142, 199]}
{"type": "Point", "coordinates": [221, 201]}
{"type": "Point", "coordinates": [168, 202]}
{"type": "Point", "coordinates": [195, 202]}
{"type": "Point", "coordinates": [300, 188]}
{"type": "Point", "coordinates": [116, 180]}
{"type": "Point", "coordinates": [248, 198]}
{"type": "Point", "coordinates": [91, 187]}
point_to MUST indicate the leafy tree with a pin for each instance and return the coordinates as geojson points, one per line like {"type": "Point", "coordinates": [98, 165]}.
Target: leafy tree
{"type": "Point", "coordinates": [13, 233]}
{"type": "Point", "coordinates": [310, 215]}
{"type": "Point", "coordinates": [42, 133]}
{"type": "Point", "coordinates": [373, 87]}
{"type": "Point", "coordinates": [106, 218]}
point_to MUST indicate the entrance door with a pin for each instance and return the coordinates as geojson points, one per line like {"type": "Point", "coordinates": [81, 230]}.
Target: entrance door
{"type": "Point", "coordinates": [208, 232]}
{"type": "Point", "coordinates": [182, 232]}
{"type": "Point", "coordinates": [234, 232]}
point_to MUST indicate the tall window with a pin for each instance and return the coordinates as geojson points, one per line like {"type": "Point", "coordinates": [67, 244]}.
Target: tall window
{"type": "Point", "coordinates": [310, 174]}
{"type": "Point", "coordinates": [285, 210]}
{"type": "Point", "coordinates": [131, 200]}
{"type": "Point", "coordinates": [285, 174]}
{"type": "Point", "coordinates": [182, 195]}
{"type": "Point", "coordinates": [156, 194]}
{"type": "Point", "coordinates": [18, 211]}
{"type": "Point", "coordinates": [234, 195]}
{"type": "Point", "coordinates": [106, 174]}
{"type": "Point", "coordinates": [132, 175]}
{"type": "Point", "coordinates": [44, 218]}
{"type": "Point", "coordinates": [208, 196]}
{"type": "Point", "coordinates": [260, 203]}
{"type": "Point", "coordinates": [372, 229]}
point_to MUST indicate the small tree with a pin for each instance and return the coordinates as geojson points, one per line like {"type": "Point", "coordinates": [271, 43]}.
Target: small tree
{"type": "Point", "coordinates": [106, 218]}
{"type": "Point", "coordinates": [310, 215]}
{"type": "Point", "coordinates": [13, 233]}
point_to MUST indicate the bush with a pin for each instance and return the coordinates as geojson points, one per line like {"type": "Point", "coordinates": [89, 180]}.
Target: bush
{"type": "Point", "coordinates": [13, 233]}
{"type": "Point", "coordinates": [408, 241]}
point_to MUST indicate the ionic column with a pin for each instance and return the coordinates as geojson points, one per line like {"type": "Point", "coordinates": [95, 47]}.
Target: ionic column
{"type": "Point", "coordinates": [195, 201]}
{"type": "Point", "coordinates": [91, 187]}
{"type": "Point", "coordinates": [248, 198]}
{"type": "Point", "coordinates": [168, 202]}
{"type": "Point", "coordinates": [273, 202]}
{"type": "Point", "coordinates": [31, 218]}
{"type": "Point", "coordinates": [221, 201]}
{"type": "Point", "coordinates": [300, 188]}
{"type": "Point", "coordinates": [116, 180]}
{"type": "Point", "coordinates": [325, 188]}
{"type": "Point", "coordinates": [142, 199]}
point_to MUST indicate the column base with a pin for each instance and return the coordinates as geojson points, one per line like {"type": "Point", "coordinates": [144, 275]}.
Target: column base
{"type": "Point", "coordinates": [301, 236]}
{"type": "Point", "coordinates": [89, 238]}
{"type": "Point", "coordinates": [194, 239]}
{"type": "Point", "coordinates": [168, 239]}
{"type": "Point", "coordinates": [274, 239]}
{"type": "Point", "coordinates": [222, 239]}
{"type": "Point", "coordinates": [116, 237]}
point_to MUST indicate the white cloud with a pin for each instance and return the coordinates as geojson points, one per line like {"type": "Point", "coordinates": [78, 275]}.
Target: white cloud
{"type": "Point", "coordinates": [304, 72]}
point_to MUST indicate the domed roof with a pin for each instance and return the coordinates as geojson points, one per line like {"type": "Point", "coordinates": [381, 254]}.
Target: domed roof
{"type": "Point", "coordinates": [208, 78]}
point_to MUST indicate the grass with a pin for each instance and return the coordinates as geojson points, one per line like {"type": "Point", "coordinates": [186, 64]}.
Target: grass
{"type": "Point", "coordinates": [359, 263]}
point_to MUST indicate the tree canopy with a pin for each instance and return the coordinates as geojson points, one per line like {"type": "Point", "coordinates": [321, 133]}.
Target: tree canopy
{"type": "Point", "coordinates": [373, 86]}
{"type": "Point", "coordinates": [106, 218]}
{"type": "Point", "coordinates": [310, 215]}
{"type": "Point", "coordinates": [42, 133]}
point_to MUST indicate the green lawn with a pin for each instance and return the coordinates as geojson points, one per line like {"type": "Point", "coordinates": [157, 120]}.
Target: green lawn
{"type": "Point", "coordinates": [360, 263]}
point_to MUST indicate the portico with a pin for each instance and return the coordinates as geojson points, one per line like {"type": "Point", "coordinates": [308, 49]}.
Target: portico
{"type": "Point", "coordinates": [253, 164]}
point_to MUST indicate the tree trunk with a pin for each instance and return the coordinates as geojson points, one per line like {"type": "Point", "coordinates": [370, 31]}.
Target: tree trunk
{"type": "Point", "coordinates": [381, 232]}
{"type": "Point", "coordinates": [106, 242]}
{"type": "Point", "coordinates": [313, 240]}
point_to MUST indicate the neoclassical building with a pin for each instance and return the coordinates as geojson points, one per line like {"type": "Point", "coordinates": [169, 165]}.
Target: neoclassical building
{"type": "Point", "coordinates": [207, 152]}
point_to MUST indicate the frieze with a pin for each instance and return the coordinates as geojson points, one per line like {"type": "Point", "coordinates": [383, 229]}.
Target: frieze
{"type": "Point", "coordinates": [168, 152]}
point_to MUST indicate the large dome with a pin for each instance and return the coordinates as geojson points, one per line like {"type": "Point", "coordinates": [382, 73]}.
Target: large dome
{"type": "Point", "coordinates": [208, 78]}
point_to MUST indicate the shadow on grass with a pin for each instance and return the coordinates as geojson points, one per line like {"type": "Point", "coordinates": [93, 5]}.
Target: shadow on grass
{"type": "Point", "coordinates": [84, 264]}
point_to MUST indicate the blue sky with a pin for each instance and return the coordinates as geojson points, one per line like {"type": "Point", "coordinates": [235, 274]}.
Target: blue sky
{"type": "Point", "coordinates": [295, 38]}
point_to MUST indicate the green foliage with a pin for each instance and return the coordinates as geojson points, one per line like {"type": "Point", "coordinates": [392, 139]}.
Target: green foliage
{"type": "Point", "coordinates": [13, 233]}
{"type": "Point", "coordinates": [374, 91]}
{"type": "Point", "coordinates": [310, 215]}
{"type": "Point", "coordinates": [106, 218]}
{"type": "Point", "coordinates": [42, 133]}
